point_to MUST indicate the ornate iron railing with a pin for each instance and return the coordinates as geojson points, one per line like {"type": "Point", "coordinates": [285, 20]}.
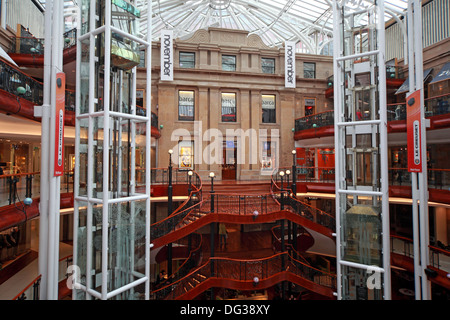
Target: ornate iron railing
{"type": "Point", "coordinates": [439, 254]}
{"type": "Point", "coordinates": [246, 271]}
{"type": "Point", "coordinates": [293, 204]}
{"type": "Point", "coordinates": [317, 120]}
{"type": "Point", "coordinates": [396, 111]}
{"type": "Point", "coordinates": [31, 45]}
{"type": "Point", "coordinates": [14, 81]}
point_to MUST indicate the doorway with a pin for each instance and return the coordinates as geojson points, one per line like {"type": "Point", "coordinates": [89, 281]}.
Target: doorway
{"type": "Point", "coordinates": [229, 160]}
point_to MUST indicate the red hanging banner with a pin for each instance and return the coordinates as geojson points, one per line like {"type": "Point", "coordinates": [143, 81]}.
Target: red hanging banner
{"type": "Point", "coordinates": [59, 128]}
{"type": "Point", "coordinates": [413, 130]}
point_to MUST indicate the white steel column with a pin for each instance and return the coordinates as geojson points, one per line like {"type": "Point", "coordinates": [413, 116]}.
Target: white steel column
{"type": "Point", "coordinates": [148, 142]}
{"type": "Point", "coordinates": [419, 181]}
{"type": "Point", "coordinates": [50, 185]}
{"type": "Point", "coordinates": [384, 166]}
{"type": "Point", "coordinates": [337, 52]}
{"type": "Point", "coordinates": [43, 204]}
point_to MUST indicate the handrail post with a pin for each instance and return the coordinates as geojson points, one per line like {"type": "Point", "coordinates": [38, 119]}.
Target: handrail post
{"type": "Point", "coordinates": [12, 189]}
{"type": "Point", "coordinates": [212, 232]}
{"type": "Point", "coordinates": [294, 173]}
{"type": "Point", "coordinates": [36, 286]}
{"type": "Point", "coordinates": [29, 179]}
{"type": "Point", "coordinates": [169, 212]}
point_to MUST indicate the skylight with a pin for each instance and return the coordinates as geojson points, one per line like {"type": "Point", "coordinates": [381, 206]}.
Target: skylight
{"type": "Point", "coordinates": [274, 21]}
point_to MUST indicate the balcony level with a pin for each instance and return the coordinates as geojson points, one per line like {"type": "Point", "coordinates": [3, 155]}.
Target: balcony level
{"type": "Point", "coordinates": [320, 125]}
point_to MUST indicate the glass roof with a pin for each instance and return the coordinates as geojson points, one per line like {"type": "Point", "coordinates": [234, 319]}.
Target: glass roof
{"type": "Point", "coordinates": [309, 22]}
{"type": "Point", "coordinates": [70, 11]}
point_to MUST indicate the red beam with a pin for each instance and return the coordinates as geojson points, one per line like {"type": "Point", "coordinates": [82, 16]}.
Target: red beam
{"type": "Point", "coordinates": [30, 60]}
{"type": "Point", "coordinates": [14, 105]}
{"type": "Point", "coordinates": [14, 214]}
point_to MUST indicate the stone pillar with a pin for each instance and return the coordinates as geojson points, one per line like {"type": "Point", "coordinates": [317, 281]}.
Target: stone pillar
{"type": "Point", "coordinates": [243, 143]}
{"type": "Point", "coordinates": [215, 107]}
{"type": "Point", "coordinates": [167, 113]}
{"type": "Point", "coordinates": [287, 118]}
{"type": "Point", "coordinates": [202, 116]}
{"type": "Point", "coordinates": [255, 116]}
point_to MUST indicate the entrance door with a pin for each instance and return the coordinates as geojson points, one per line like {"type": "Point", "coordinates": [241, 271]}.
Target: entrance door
{"type": "Point", "coordinates": [229, 160]}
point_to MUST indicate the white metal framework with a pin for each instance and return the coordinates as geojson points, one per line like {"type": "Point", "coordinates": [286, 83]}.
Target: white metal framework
{"type": "Point", "coordinates": [111, 211]}
{"type": "Point", "coordinates": [362, 205]}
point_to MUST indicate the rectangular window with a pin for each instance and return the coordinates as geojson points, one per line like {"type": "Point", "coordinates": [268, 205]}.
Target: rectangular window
{"type": "Point", "coordinates": [187, 60]}
{"type": "Point", "coordinates": [186, 105]}
{"type": "Point", "coordinates": [228, 107]}
{"type": "Point", "coordinates": [268, 108]}
{"type": "Point", "coordinates": [228, 63]}
{"type": "Point", "coordinates": [268, 65]}
{"type": "Point", "coordinates": [309, 70]}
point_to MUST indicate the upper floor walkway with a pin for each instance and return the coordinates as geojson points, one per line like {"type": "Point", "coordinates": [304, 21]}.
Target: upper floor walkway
{"type": "Point", "coordinates": [437, 110]}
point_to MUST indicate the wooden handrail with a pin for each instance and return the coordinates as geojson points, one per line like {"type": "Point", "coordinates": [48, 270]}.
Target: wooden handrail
{"type": "Point", "coordinates": [27, 287]}
{"type": "Point", "coordinates": [315, 114]}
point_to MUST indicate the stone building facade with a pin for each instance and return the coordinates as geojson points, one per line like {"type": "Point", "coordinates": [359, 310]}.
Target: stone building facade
{"type": "Point", "coordinates": [216, 69]}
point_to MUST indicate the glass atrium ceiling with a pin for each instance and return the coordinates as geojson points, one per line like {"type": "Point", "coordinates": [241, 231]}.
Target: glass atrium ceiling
{"type": "Point", "coordinates": [309, 22]}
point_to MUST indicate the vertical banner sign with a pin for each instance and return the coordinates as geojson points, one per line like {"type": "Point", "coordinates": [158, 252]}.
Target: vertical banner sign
{"type": "Point", "coordinates": [413, 132]}
{"type": "Point", "coordinates": [289, 65]}
{"type": "Point", "coordinates": [59, 128]}
{"type": "Point", "coordinates": [167, 55]}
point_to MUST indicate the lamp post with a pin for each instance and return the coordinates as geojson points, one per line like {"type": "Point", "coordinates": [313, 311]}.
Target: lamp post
{"type": "Point", "coordinates": [281, 190]}
{"type": "Point", "coordinates": [213, 229]}
{"type": "Point", "coordinates": [282, 231]}
{"type": "Point", "coordinates": [288, 172]}
{"type": "Point", "coordinates": [169, 212]}
{"type": "Point", "coordinates": [190, 173]}
{"type": "Point", "coordinates": [294, 194]}
{"type": "Point", "coordinates": [294, 173]}
{"type": "Point", "coordinates": [170, 188]}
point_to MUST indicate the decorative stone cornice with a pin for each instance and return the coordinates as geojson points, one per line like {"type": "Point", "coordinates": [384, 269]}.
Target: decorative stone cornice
{"type": "Point", "coordinates": [228, 37]}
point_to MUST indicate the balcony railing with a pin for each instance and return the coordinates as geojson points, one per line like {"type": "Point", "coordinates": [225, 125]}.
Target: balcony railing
{"type": "Point", "coordinates": [396, 111]}
{"type": "Point", "coordinates": [31, 45]}
{"type": "Point", "coordinates": [315, 121]}
{"type": "Point", "coordinates": [439, 256]}
{"type": "Point", "coordinates": [437, 178]}
{"type": "Point", "coordinates": [14, 81]}
{"type": "Point", "coordinates": [31, 291]}
{"type": "Point", "coordinates": [16, 187]}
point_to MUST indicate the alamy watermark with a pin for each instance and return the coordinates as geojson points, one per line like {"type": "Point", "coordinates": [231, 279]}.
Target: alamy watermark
{"type": "Point", "coordinates": [206, 147]}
